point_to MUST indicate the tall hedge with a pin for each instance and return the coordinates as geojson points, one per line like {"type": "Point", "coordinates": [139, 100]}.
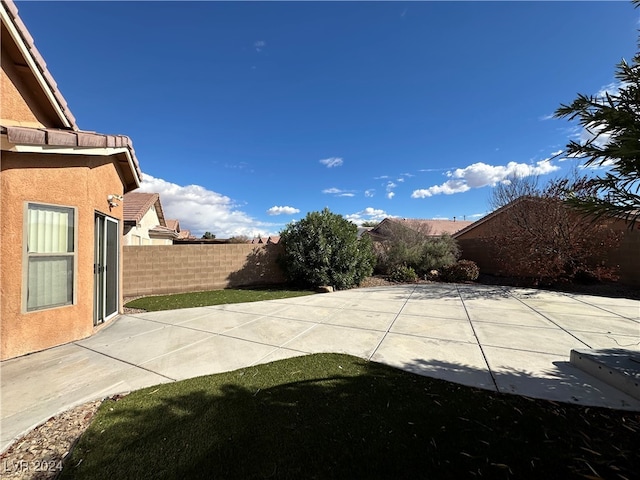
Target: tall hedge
{"type": "Point", "coordinates": [323, 249]}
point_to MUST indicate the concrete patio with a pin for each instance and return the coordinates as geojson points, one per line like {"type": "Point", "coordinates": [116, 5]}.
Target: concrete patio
{"type": "Point", "coordinates": [498, 338]}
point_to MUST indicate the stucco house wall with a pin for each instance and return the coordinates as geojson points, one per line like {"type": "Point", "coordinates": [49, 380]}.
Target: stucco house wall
{"type": "Point", "coordinates": [46, 159]}
{"type": "Point", "coordinates": [475, 243]}
{"type": "Point", "coordinates": [139, 235]}
{"type": "Point", "coordinates": [76, 181]}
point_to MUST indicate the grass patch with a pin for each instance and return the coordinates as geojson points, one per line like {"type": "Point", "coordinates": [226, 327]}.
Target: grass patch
{"type": "Point", "coordinates": [214, 297]}
{"type": "Point", "coordinates": [337, 416]}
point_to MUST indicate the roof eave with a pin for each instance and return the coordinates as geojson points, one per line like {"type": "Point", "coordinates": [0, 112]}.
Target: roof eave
{"type": "Point", "coordinates": [35, 62]}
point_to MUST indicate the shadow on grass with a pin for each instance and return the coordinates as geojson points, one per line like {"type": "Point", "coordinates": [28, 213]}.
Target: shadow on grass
{"type": "Point", "coordinates": [337, 416]}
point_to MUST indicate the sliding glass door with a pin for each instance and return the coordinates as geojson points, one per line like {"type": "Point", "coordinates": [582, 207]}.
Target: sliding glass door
{"type": "Point", "coordinates": [105, 268]}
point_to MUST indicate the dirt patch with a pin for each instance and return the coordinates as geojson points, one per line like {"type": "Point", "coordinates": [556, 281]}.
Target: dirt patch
{"type": "Point", "coordinates": [40, 453]}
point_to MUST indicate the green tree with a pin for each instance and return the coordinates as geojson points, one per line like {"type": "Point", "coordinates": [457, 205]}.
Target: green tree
{"type": "Point", "coordinates": [323, 249]}
{"type": "Point", "coordinates": [613, 121]}
{"type": "Point", "coordinates": [208, 236]}
{"type": "Point", "coordinates": [370, 223]}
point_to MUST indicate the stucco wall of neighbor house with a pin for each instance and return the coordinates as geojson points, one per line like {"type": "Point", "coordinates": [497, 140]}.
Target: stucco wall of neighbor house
{"type": "Point", "coordinates": [159, 269]}
{"type": "Point", "coordinates": [16, 109]}
{"type": "Point", "coordinates": [68, 180]}
{"type": "Point", "coordinates": [476, 246]}
{"type": "Point", "coordinates": [139, 235]}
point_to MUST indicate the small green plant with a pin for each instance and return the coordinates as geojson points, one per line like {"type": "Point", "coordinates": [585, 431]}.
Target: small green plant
{"type": "Point", "coordinates": [461, 271]}
{"type": "Point", "coordinates": [403, 273]}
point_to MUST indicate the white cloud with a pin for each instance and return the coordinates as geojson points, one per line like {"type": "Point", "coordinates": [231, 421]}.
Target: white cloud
{"type": "Point", "coordinates": [593, 133]}
{"type": "Point", "coordinates": [201, 210]}
{"type": "Point", "coordinates": [481, 175]}
{"type": "Point", "coordinates": [369, 214]}
{"type": "Point", "coordinates": [332, 162]}
{"type": "Point", "coordinates": [282, 210]}
{"type": "Point", "coordinates": [369, 193]}
{"type": "Point", "coordinates": [478, 215]}
{"type": "Point", "coordinates": [337, 192]}
{"type": "Point", "coordinates": [390, 195]}
{"type": "Point", "coordinates": [259, 45]}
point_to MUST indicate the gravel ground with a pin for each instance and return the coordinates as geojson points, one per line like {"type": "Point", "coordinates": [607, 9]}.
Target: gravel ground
{"type": "Point", "coordinates": [39, 454]}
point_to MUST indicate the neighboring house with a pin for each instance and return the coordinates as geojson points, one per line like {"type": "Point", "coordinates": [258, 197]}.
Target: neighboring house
{"type": "Point", "coordinates": [60, 273]}
{"type": "Point", "coordinates": [385, 228]}
{"type": "Point", "coordinates": [273, 239]}
{"type": "Point", "coordinates": [476, 244]}
{"type": "Point", "coordinates": [144, 222]}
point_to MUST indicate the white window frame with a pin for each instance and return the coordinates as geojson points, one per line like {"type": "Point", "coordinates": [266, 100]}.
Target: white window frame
{"type": "Point", "coordinates": [26, 256]}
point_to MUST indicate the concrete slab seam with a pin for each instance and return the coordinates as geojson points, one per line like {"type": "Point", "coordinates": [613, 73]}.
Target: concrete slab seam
{"type": "Point", "coordinates": [473, 329]}
{"type": "Point", "coordinates": [298, 336]}
{"type": "Point", "coordinates": [604, 309]}
{"type": "Point", "coordinates": [126, 362]}
{"type": "Point", "coordinates": [373, 352]}
{"type": "Point", "coordinates": [189, 345]}
{"type": "Point", "coordinates": [547, 318]}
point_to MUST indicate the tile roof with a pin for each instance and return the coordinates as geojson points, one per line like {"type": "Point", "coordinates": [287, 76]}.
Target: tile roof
{"type": "Point", "coordinates": [54, 137]}
{"type": "Point", "coordinates": [174, 225]}
{"type": "Point", "coordinates": [20, 48]}
{"type": "Point", "coordinates": [163, 231]}
{"type": "Point", "coordinates": [136, 204]}
{"type": "Point", "coordinates": [272, 239]}
{"type": "Point", "coordinates": [429, 227]}
{"type": "Point", "coordinates": [27, 40]}
{"type": "Point", "coordinates": [185, 234]}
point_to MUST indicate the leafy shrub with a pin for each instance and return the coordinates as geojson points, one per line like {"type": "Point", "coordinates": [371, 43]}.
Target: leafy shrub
{"type": "Point", "coordinates": [419, 250]}
{"type": "Point", "coordinates": [461, 271]}
{"type": "Point", "coordinates": [323, 249]}
{"type": "Point", "coordinates": [439, 252]}
{"type": "Point", "coordinates": [403, 273]}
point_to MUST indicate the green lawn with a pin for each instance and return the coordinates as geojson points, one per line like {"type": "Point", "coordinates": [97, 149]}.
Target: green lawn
{"type": "Point", "coordinates": [336, 416]}
{"type": "Point", "coordinates": [214, 297]}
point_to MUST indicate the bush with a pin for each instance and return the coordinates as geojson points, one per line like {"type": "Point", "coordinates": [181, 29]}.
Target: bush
{"type": "Point", "coordinates": [323, 249]}
{"type": "Point", "coordinates": [439, 252]}
{"type": "Point", "coordinates": [403, 273]}
{"type": "Point", "coordinates": [403, 246]}
{"type": "Point", "coordinates": [461, 271]}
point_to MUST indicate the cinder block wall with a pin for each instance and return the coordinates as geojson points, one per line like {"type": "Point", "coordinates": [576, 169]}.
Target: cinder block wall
{"type": "Point", "coordinates": [163, 269]}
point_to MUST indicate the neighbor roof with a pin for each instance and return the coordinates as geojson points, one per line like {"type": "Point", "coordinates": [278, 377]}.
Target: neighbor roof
{"type": "Point", "coordinates": [431, 227]}
{"type": "Point", "coordinates": [136, 204]}
{"type": "Point", "coordinates": [174, 225]}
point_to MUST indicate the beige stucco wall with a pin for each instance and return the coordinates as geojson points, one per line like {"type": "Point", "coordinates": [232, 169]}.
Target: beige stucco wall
{"type": "Point", "coordinates": [158, 270]}
{"type": "Point", "coordinates": [16, 109]}
{"type": "Point", "coordinates": [69, 180]}
{"type": "Point", "coordinates": [139, 235]}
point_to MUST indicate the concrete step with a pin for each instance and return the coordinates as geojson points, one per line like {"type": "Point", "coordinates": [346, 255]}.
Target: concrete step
{"type": "Point", "coordinates": [617, 367]}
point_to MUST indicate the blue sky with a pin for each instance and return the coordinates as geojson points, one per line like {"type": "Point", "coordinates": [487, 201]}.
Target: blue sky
{"type": "Point", "coordinates": [247, 115]}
